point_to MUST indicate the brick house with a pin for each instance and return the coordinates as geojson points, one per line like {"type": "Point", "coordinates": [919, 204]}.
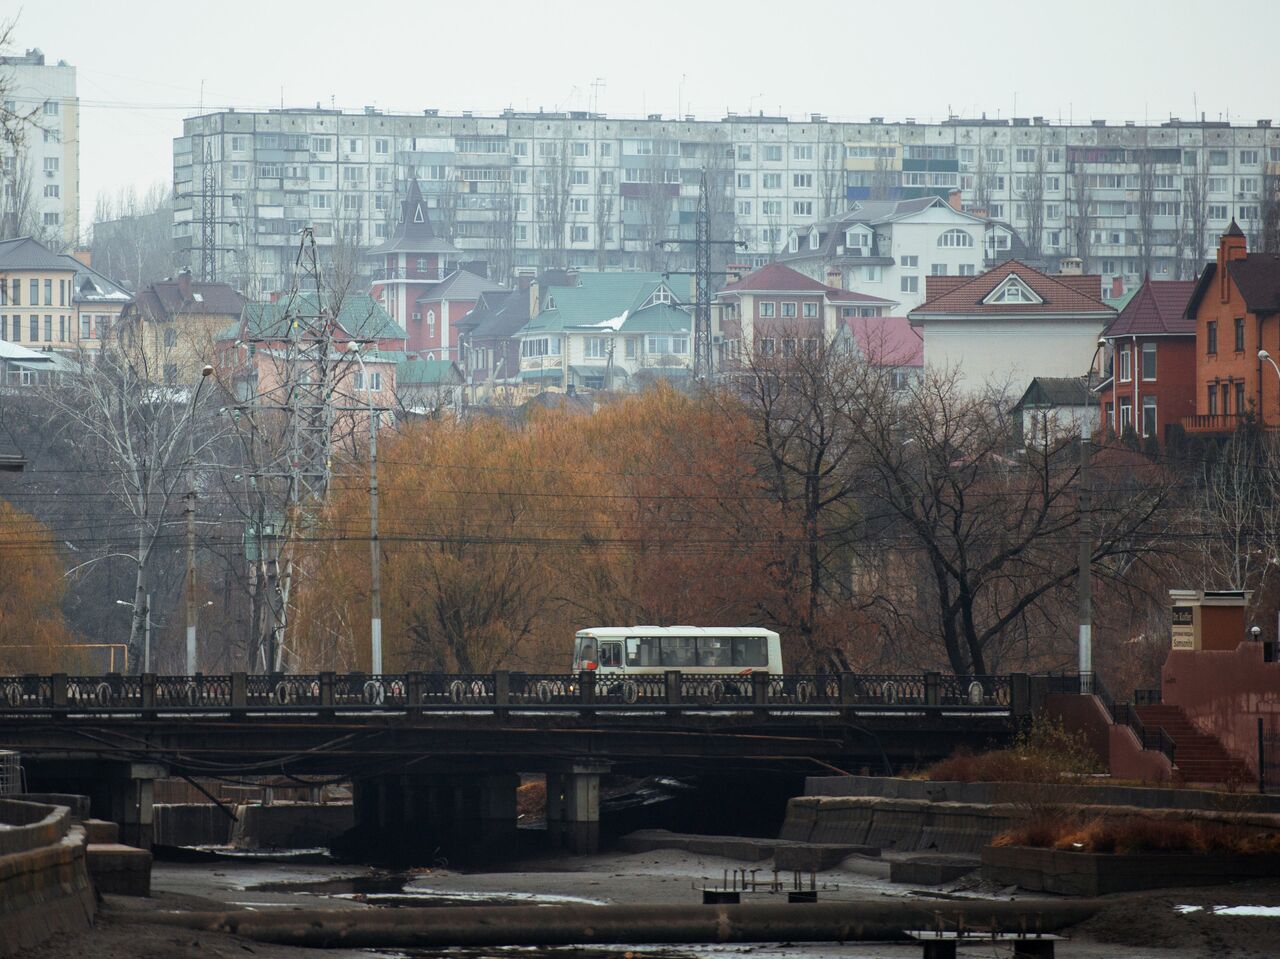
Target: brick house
{"type": "Point", "coordinates": [1236, 308]}
{"type": "Point", "coordinates": [414, 260]}
{"type": "Point", "coordinates": [1151, 361]}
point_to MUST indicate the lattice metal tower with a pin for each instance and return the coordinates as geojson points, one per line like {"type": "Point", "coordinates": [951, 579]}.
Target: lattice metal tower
{"type": "Point", "coordinates": [208, 220]}
{"type": "Point", "coordinates": [703, 358]}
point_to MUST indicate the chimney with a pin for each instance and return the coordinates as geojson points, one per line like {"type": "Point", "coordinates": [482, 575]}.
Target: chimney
{"type": "Point", "coordinates": [1070, 266]}
{"type": "Point", "coordinates": [835, 278]}
{"type": "Point", "coordinates": [1232, 246]}
{"type": "Point", "coordinates": [184, 285]}
{"type": "Point", "coordinates": [1117, 287]}
{"type": "Point", "coordinates": [953, 201]}
{"type": "Point", "coordinates": [84, 255]}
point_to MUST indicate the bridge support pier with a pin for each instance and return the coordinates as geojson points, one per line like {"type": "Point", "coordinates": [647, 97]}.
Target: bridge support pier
{"type": "Point", "coordinates": [120, 792]}
{"type": "Point", "coordinates": [573, 806]}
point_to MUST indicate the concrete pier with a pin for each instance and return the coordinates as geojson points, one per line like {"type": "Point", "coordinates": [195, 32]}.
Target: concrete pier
{"type": "Point", "coordinates": [573, 806]}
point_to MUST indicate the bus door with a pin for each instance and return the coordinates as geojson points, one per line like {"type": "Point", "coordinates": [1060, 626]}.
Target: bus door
{"type": "Point", "coordinates": [611, 654]}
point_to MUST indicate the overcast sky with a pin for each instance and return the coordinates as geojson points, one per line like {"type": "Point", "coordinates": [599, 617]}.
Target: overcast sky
{"type": "Point", "coordinates": [144, 64]}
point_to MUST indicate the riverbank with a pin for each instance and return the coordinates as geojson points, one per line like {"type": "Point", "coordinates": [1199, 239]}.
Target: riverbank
{"type": "Point", "coordinates": [1143, 926]}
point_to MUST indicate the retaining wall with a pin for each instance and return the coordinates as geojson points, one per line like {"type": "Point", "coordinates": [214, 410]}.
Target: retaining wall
{"type": "Point", "coordinates": [190, 824]}
{"type": "Point", "coordinates": [988, 793]}
{"type": "Point", "coordinates": [291, 825]}
{"type": "Point", "coordinates": [921, 825]}
{"type": "Point", "coordinates": [44, 882]}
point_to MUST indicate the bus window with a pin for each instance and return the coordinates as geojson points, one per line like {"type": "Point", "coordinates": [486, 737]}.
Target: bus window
{"type": "Point", "coordinates": [715, 652]}
{"type": "Point", "coordinates": [586, 652]}
{"type": "Point", "coordinates": [679, 651]}
{"type": "Point", "coordinates": [750, 651]}
{"type": "Point", "coordinates": [642, 652]}
{"type": "Point", "coordinates": [610, 654]}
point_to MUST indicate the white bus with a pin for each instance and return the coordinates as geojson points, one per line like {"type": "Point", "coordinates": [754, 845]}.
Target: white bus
{"type": "Point", "coordinates": [622, 650]}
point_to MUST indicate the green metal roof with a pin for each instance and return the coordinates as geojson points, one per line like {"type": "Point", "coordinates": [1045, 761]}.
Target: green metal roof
{"type": "Point", "coordinates": [361, 316]}
{"type": "Point", "coordinates": [426, 373]}
{"type": "Point", "coordinates": [599, 298]}
{"type": "Point", "coordinates": [659, 318]}
{"type": "Point", "coordinates": [553, 373]}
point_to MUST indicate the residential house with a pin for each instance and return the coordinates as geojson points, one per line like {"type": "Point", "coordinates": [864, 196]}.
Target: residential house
{"type": "Point", "coordinates": [1151, 361]}
{"type": "Point", "coordinates": [37, 295]}
{"type": "Point", "coordinates": [887, 247]}
{"type": "Point", "coordinates": [262, 355]}
{"type": "Point", "coordinates": [604, 330]}
{"type": "Point", "coordinates": [177, 323]}
{"type": "Point", "coordinates": [775, 310]}
{"type": "Point", "coordinates": [428, 387]}
{"type": "Point", "coordinates": [99, 301]}
{"type": "Point", "coordinates": [1236, 308]}
{"type": "Point", "coordinates": [23, 368]}
{"type": "Point", "coordinates": [1055, 406]}
{"type": "Point", "coordinates": [1011, 324]}
{"type": "Point", "coordinates": [890, 343]}
{"type": "Point", "coordinates": [490, 348]}
{"type": "Point", "coordinates": [410, 264]}
{"type": "Point", "coordinates": [441, 307]}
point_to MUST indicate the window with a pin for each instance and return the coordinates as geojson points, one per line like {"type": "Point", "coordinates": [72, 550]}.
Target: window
{"type": "Point", "coordinates": [1126, 413]}
{"type": "Point", "coordinates": [771, 181]}
{"type": "Point", "coordinates": [744, 154]}
{"type": "Point", "coordinates": [1218, 158]}
{"type": "Point", "coordinates": [1053, 211]}
{"type": "Point", "coordinates": [766, 346]}
{"type": "Point", "coordinates": [810, 310]}
{"type": "Point", "coordinates": [766, 309]}
{"type": "Point", "coordinates": [1125, 358]}
{"type": "Point", "coordinates": [789, 310]}
{"type": "Point", "coordinates": [48, 328]}
{"type": "Point", "coordinates": [596, 347]}
{"type": "Point", "coordinates": [938, 269]}
{"type": "Point", "coordinates": [910, 284]}
{"type": "Point", "coordinates": [802, 151]}
{"type": "Point", "coordinates": [967, 269]}
{"type": "Point", "coordinates": [744, 208]}
{"type": "Point", "coordinates": [52, 191]}
{"type": "Point", "coordinates": [1148, 361]}
{"type": "Point", "coordinates": [771, 207]}
{"type": "Point", "coordinates": [321, 201]}
{"type": "Point", "coordinates": [605, 149]}
{"type": "Point", "coordinates": [51, 108]}
{"type": "Point", "coordinates": [322, 144]}
{"type": "Point", "coordinates": [1248, 184]}
{"type": "Point", "coordinates": [871, 274]}
{"type": "Point", "coordinates": [1248, 157]}
{"type": "Point", "coordinates": [788, 347]}
{"type": "Point", "coordinates": [802, 181]}
{"type": "Point", "coordinates": [630, 350]}
{"type": "Point", "coordinates": [1217, 211]}
{"type": "Point", "coordinates": [995, 211]}
{"type": "Point", "coordinates": [1211, 337]}
{"type": "Point", "coordinates": [540, 346]}
{"type": "Point", "coordinates": [52, 219]}
{"type": "Point", "coordinates": [35, 293]}
{"type": "Point", "coordinates": [1239, 398]}
{"type": "Point", "coordinates": [667, 345]}
{"type": "Point", "coordinates": [802, 208]}
{"type": "Point", "coordinates": [995, 154]}
{"type": "Point", "coordinates": [375, 381]}
{"type": "Point", "coordinates": [910, 262]}
{"type": "Point", "coordinates": [771, 154]}
{"type": "Point", "coordinates": [580, 178]}
{"type": "Point", "coordinates": [956, 238]}
{"type": "Point", "coordinates": [1217, 184]}
{"type": "Point", "coordinates": [580, 204]}
{"type": "Point", "coordinates": [17, 293]}
{"type": "Point", "coordinates": [381, 146]}
{"type": "Point", "coordinates": [33, 328]}
{"type": "Point", "coordinates": [51, 166]}
{"type": "Point", "coordinates": [354, 145]}
{"type": "Point", "coordinates": [580, 234]}
{"type": "Point", "coordinates": [1239, 334]}
{"type": "Point", "coordinates": [581, 148]}
{"type": "Point", "coordinates": [321, 174]}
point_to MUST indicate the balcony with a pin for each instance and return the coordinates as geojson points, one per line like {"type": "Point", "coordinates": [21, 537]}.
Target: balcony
{"type": "Point", "coordinates": [1212, 423]}
{"type": "Point", "coordinates": [424, 276]}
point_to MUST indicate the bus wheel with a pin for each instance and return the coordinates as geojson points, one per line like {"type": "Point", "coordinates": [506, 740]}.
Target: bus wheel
{"type": "Point", "coordinates": [630, 691]}
{"type": "Point", "coordinates": [544, 691]}
{"type": "Point", "coordinates": [717, 691]}
{"type": "Point", "coordinates": [457, 692]}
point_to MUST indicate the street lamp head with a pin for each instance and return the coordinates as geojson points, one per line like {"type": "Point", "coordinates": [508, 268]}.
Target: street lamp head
{"type": "Point", "coordinates": [206, 370]}
{"type": "Point", "coordinates": [1101, 342]}
{"type": "Point", "coordinates": [1263, 355]}
{"type": "Point", "coordinates": [122, 602]}
{"type": "Point", "coordinates": [353, 347]}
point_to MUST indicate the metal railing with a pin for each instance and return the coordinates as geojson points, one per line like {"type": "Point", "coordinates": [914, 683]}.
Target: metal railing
{"type": "Point", "coordinates": [61, 693]}
{"type": "Point", "coordinates": [1156, 739]}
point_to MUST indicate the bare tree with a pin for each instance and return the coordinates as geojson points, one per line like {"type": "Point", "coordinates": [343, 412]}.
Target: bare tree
{"type": "Point", "coordinates": [1146, 209]}
{"type": "Point", "coordinates": [604, 204]}
{"type": "Point", "coordinates": [981, 181]}
{"type": "Point", "coordinates": [553, 192]}
{"type": "Point", "coordinates": [18, 209]}
{"type": "Point", "coordinates": [1032, 196]}
{"type": "Point", "coordinates": [1083, 209]}
{"type": "Point", "coordinates": [657, 202]}
{"type": "Point", "coordinates": [831, 179]}
{"type": "Point", "coordinates": [1269, 210]}
{"type": "Point", "coordinates": [132, 236]}
{"type": "Point", "coordinates": [1195, 212]}
{"type": "Point", "coordinates": [1236, 516]}
{"type": "Point", "coordinates": [502, 241]}
{"type": "Point", "coordinates": [883, 178]}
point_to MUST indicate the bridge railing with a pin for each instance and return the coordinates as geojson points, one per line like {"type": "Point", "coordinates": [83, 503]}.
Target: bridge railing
{"type": "Point", "coordinates": [501, 690]}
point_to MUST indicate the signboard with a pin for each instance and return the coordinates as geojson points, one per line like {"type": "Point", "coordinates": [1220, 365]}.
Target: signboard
{"type": "Point", "coordinates": [1184, 630]}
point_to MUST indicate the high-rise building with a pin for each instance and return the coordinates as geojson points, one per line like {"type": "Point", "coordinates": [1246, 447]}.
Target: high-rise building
{"type": "Point", "coordinates": [595, 192]}
{"type": "Point", "coordinates": [41, 195]}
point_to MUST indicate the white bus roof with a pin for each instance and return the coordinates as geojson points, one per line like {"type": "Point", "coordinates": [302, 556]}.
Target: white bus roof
{"type": "Point", "coordinates": [611, 632]}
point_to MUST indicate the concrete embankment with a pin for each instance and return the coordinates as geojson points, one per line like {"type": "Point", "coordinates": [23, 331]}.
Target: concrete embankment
{"type": "Point", "coordinates": [44, 881]}
{"type": "Point", "coordinates": [575, 925]}
{"type": "Point", "coordinates": [256, 826]}
{"type": "Point", "coordinates": [914, 825]}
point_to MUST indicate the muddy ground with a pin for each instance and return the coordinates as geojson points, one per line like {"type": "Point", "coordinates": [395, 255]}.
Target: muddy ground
{"type": "Point", "coordinates": [1142, 925]}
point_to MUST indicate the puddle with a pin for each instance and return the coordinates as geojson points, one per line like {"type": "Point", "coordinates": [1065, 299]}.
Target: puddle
{"type": "Point", "coordinates": [1266, 912]}
{"type": "Point", "coordinates": [399, 891]}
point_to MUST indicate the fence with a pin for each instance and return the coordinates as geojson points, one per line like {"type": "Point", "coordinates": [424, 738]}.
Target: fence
{"type": "Point", "coordinates": [1268, 760]}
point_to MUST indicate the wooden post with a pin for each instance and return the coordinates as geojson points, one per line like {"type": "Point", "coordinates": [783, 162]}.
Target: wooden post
{"type": "Point", "coordinates": [673, 687]}
{"type": "Point", "coordinates": [413, 689]}
{"type": "Point", "coordinates": [932, 689]}
{"type": "Point", "coordinates": [239, 690]}
{"type": "Point", "coordinates": [848, 689]}
{"type": "Point", "coordinates": [327, 682]}
{"type": "Point", "coordinates": [587, 686]}
{"type": "Point", "coordinates": [148, 690]}
{"type": "Point", "coordinates": [58, 690]}
{"type": "Point", "coordinates": [760, 688]}
{"type": "Point", "coordinates": [501, 690]}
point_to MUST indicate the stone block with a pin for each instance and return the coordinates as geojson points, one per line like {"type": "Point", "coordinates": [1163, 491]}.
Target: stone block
{"type": "Point", "coordinates": [816, 857]}
{"type": "Point", "coordinates": [932, 870]}
{"type": "Point", "coordinates": [100, 831]}
{"type": "Point", "coordinates": [121, 870]}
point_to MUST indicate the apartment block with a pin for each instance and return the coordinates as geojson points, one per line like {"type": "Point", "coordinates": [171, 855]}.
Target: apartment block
{"type": "Point", "coordinates": [588, 191]}
{"type": "Point", "coordinates": [41, 181]}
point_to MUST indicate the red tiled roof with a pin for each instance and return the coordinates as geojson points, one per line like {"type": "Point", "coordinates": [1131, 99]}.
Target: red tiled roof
{"type": "Point", "coordinates": [1157, 309]}
{"type": "Point", "coordinates": [887, 340]}
{"type": "Point", "coordinates": [776, 278]}
{"type": "Point", "coordinates": [164, 299]}
{"type": "Point", "coordinates": [836, 295]}
{"type": "Point", "coordinates": [1257, 277]}
{"type": "Point", "coordinates": [1061, 294]}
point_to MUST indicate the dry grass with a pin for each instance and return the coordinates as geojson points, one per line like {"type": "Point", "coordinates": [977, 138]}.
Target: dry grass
{"type": "Point", "coordinates": [531, 800]}
{"type": "Point", "coordinates": [1138, 834]}
{"type": "Point", "coordinates": [1044, 753]}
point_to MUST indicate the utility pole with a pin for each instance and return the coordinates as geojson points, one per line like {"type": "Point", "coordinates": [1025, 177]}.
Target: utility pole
{"type": "Point", "coordinates": [190, 510]}
{"type": "Point", "coordinates": [375, 591]}
{"type": "Point", "coordinates": [1084, 547]}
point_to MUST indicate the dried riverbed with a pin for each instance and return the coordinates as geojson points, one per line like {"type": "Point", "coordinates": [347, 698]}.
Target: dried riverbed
{"type": "Point", "coordinates": [1142, 926]}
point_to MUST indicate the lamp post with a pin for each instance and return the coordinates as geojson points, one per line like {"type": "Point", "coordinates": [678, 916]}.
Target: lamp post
{"type": "Point", "coordinates": [1084, 554]}
{"type": "Point", "coordinates": [190, 510]}
{"type": "Point", "coordinates": [375, 594]}
{"type": "Point", "coordinates": [146, 633]}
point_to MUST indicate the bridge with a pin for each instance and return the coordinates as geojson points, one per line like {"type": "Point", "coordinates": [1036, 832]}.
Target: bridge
{"type": "Point", "coordinates": [441, 753]}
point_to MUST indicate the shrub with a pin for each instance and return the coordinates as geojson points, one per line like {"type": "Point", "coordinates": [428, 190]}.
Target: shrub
{"type": "Point", "coordinates": [1138, 834]}
{"type": "Point", "coordinates": [1045, 752]}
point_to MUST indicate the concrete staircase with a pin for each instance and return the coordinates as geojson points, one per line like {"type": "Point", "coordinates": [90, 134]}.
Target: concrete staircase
{"type": "Point", "coordinates": [1199, 758]}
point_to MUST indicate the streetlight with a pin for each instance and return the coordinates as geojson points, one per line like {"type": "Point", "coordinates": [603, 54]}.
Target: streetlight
{"type": "Point", "coordinates": [1084, 554]}
{"type": "Point", "coordinates": [146, 642]}
{"type": "Point", "coordinates": [375, 596]}
{"type": "Point", "coordinates": [205, 372]}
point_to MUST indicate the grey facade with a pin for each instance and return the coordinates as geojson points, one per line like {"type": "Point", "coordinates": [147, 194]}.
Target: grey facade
{"type": "Point", "coordinates": [579, 189]}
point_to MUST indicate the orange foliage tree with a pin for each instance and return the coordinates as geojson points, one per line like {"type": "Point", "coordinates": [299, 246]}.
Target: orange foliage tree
{"type": "Point", "coordinates": [34, 636]}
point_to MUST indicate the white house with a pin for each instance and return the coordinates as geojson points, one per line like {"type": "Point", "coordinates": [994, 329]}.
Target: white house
{"type": "Point", "coordinates": [1012, 324]}
{"type": "Point", "coordinates": [886, 248]}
